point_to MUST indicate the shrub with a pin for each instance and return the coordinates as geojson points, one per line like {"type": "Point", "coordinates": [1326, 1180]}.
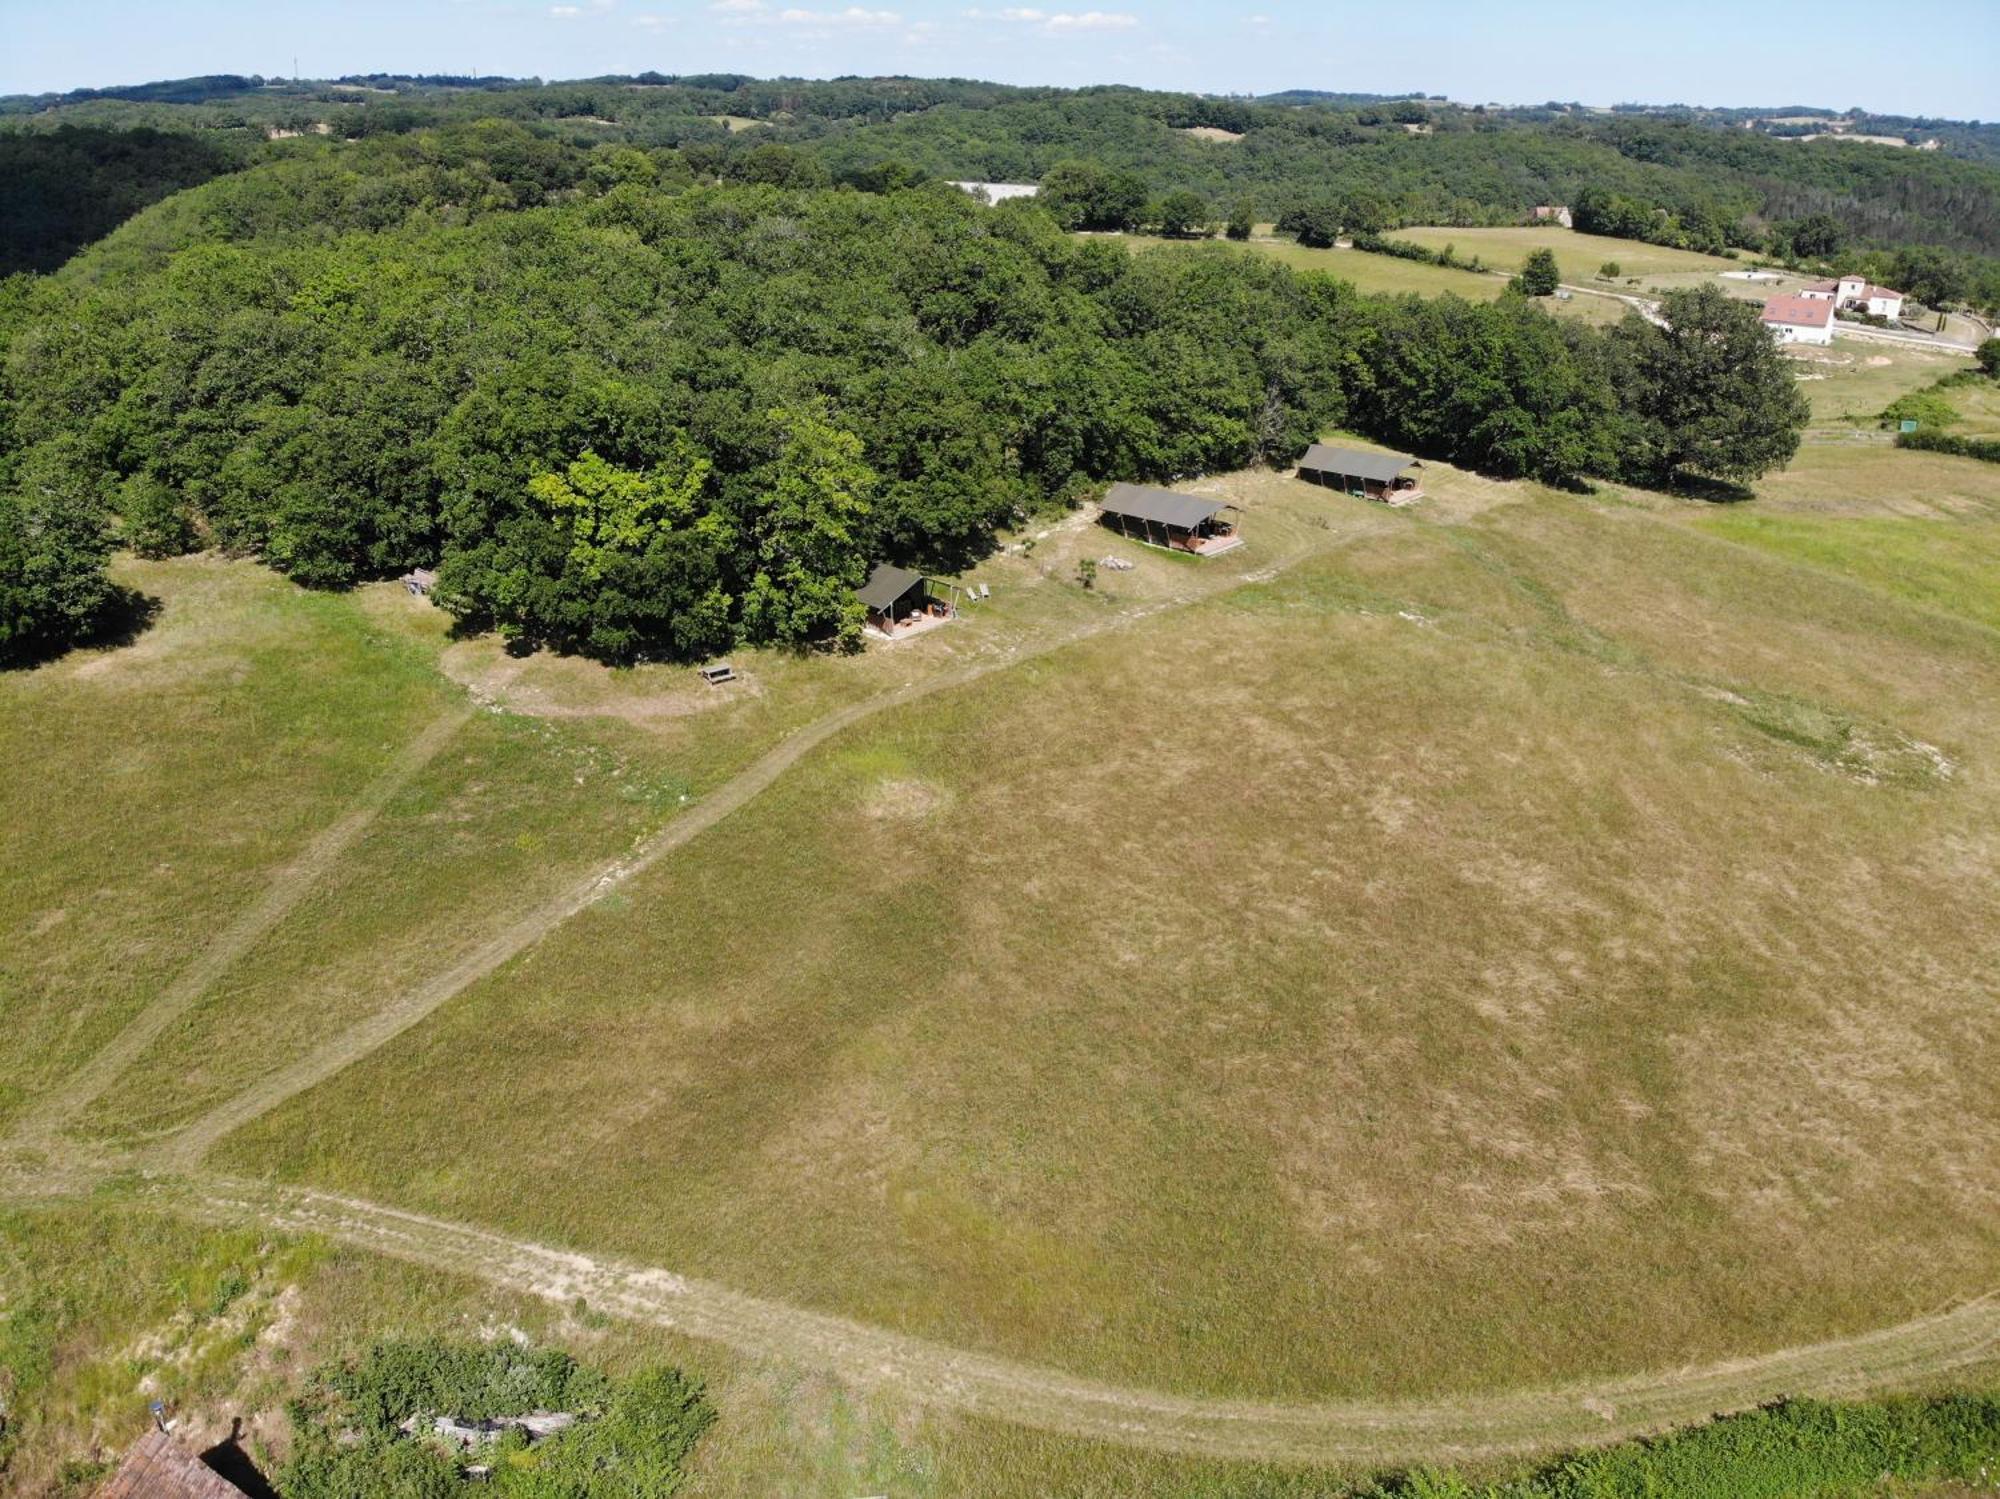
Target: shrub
{"type": "Point", "coordinates": [1986, 450]}
{"type": "Point", "coordinates": [1988, 355]}
{"type": "Point", "coordinates": [348, 1438]}
{"type": "Point", "coordinates": [1539, 276]}
{"type": "Point", "coordinates": [1924, 407]}
{"type": "Point", "coordinates": [153, 520]}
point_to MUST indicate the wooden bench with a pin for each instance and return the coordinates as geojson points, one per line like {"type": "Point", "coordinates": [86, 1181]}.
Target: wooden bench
{"type": "Point", "coordinates": [719, 673]}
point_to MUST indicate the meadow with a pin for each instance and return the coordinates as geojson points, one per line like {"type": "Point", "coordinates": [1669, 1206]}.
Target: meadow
{"type": "Point", "coordinates": [1524, 937]}
{"type": "Point", "coordinates": [1392, 275]}
{"type": "Point", "coordinates": [967, 1020]}
{"type": "Point", "coordinates": [1578, 256]}
{"type": "Point", "coordinates": [1850, 382]}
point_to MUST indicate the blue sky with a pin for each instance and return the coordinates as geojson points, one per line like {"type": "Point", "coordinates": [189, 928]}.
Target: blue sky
{"type": "Point", "coordinates": [1917, 56]}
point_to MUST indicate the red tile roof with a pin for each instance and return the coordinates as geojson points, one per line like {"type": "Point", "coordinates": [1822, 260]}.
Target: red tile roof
{"type": "Point", "coordinates": [1805, 312]}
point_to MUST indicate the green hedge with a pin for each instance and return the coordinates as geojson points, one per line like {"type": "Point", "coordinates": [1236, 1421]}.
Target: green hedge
{"type": "Point", "coordinates": [1789, 1450]}
{"type": "Point", "coordinates": [1986, 449]}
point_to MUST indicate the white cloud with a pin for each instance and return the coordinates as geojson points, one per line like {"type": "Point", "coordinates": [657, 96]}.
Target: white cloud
{"type": "Point", "coordinates": [1090, 20]}
{"type": "Point", "coordinates": [565, 12]}
{"type": "Point", "coordinates": [854, 15]}
{"type": "Point", "coordinates": [736, 7]}
{"type": "Point", "coordinates": [650, 22]}
{"type": "Point", "coordinates": [1060, 22]}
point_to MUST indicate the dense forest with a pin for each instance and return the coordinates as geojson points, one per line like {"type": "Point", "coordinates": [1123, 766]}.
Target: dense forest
{"type": "Point", "coordinates": [1426, 160]}
{"type": "Point", "coordinates": [61, 190]}
{"type": "Point", "coordinates": [629, 411]}
{"type": "Point", "coordinates": [647, 366]}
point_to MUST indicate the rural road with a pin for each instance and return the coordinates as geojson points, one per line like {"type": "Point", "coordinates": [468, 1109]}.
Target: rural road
{"type": "Point", "coordinates": [1361, 1432]}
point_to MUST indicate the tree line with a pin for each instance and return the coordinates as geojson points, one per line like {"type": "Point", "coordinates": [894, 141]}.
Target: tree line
{"type": "Point", "coordinates": [631, 417]}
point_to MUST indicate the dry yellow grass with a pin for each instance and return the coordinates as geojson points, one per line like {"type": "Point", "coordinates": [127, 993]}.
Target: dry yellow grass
{"type": "Point", "coordinates": [1577, 255]}
{"type": "Point", "coordinates": [1406, 944]}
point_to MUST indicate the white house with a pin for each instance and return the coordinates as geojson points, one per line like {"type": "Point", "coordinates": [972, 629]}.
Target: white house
{"type": "Point", "coordinates": [1800, 319]}
{"type": "Point", "coordinates": [998, 192]}
{"type": "Point", "coordinates": [1856, 295]}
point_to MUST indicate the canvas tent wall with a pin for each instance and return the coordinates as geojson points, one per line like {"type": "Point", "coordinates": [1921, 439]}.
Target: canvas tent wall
{"type": "Point", "coordinates": [891, 593]}
{"type": "Point", "coordinates": [1165, 518]}
{"type": "Point", "coordinates": [1376, 475]}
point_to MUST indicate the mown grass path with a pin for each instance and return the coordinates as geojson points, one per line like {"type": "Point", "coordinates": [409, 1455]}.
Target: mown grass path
{"type": "Point", "coordinates": [1359, 1432]}
{"type": "Point", "coordinates": [44, 1121]}
{"type": "Point", "coordinates": [184, 1149]}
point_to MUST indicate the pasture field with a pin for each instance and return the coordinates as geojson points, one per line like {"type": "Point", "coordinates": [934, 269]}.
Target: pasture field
{"type": "Point", "coordinates": [1522, 938]}
{"type": "Point", "coordinates": [1392, 275]}
{"type": "Point", "coordinates": [1578, 256]}
{"type": "Point", "coordinates": [979, 1027]}
{"type": "Point", "coordinates": [1978, 406]}
{"type": "Point", "coordinates": [1851, 381]}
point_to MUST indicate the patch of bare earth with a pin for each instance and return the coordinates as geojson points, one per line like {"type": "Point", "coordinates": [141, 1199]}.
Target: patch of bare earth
{"type": "Point", "coordinates": [550, 686]}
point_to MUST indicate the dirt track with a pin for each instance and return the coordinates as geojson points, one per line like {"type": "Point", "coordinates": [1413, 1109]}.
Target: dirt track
{"type": "Point", "coordinates": [1339, 1431]}
{"type": "Point", "coordinates": [42, 1123]}
{"type": "Point", "coordinates": [1380, 1433]}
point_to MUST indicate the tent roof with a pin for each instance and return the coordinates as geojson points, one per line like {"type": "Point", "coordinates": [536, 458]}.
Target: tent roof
{"type": "Point", "coordinates": [887, 583]}
{"type": "Point", "coordinates": [1182, 512]}
{"type": "Point", "coordinates": [158, 1467]}
{"type": "Point", "coordinates": [1380, 467]}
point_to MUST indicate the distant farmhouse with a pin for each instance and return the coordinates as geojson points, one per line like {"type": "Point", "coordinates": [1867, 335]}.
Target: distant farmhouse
{"type": "Point", "coordinates": [1554, 213]}
{"type": "Point", "coordinates": [998, 192]}
{"type": "Point", "coordinates": [1854, 294]}
{"type": "Point", "coordinates": [1799, 319]}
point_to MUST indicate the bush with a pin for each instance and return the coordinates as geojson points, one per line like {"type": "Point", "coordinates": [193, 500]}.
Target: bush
{"type": "Point", "coordinates": [1988, 356]}
{"type": "Point", "coordinates": [153, 520]}
{"type": "Point", "coordinates": [348, 1438]}
{"type": "Point", "coordinates": [1793, 1447]}
{"type": "Point", "coordinates": [1924, 407]}
{"type": "Point", "coordinates": [54, 547]}
{"type": "Point", "coordinates": [1610, 270]}
{"type": "Point", "coordinates": [1403, 249]}
{"type": "Point", "coordinates": [1986, 450]}
{"type": "Point", "coordinates": [1539, 276]}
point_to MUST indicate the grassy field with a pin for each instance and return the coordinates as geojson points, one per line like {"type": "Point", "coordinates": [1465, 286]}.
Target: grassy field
{"type": "Point", "coordinates": [1978, 406]}
{"type": "Point", "coordinates": [1850, 382]}
{"type": "Point", "coordinates": [1578, 256]}
{"type": "Point", "coordinates": [1523, 937]}
{"type": "Point", "coordinates": [1504, 1075]}
{"type": "Point", "coordinates": [1392, 275]}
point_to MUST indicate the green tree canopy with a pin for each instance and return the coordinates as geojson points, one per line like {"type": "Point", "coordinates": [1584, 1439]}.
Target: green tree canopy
{"type": "Point", "coordinates": [1709, 393]}
{"type": "Point", "coordinates": [1539, 276]}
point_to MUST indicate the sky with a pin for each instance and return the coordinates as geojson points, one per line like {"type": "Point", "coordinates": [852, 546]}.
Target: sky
{"type": "Point", "coordinates": [1936, 57]}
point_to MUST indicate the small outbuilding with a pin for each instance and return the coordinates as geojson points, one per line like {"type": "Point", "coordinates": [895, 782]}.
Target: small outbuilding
{"type": "Point", "coordinates": [1179, 522]}
{"type": "Point", "coordinates": [1370, 476]}
{"type": "Point", "coordinates": [899, 602]}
